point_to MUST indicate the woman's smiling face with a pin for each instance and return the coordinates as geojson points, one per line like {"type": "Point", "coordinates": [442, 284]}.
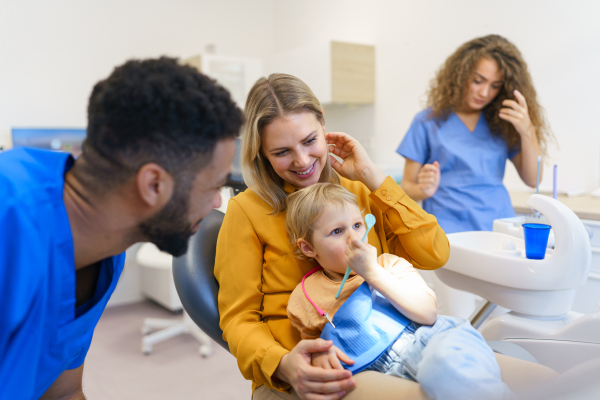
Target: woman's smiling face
{"type": "Point", "coordinates": [296, 148]}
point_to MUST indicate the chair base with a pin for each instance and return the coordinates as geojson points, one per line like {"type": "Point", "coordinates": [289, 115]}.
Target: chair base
{"type": "Point", "coordinates": [169, 328]}
{"type": "Point", "coordinates": [560, 343]}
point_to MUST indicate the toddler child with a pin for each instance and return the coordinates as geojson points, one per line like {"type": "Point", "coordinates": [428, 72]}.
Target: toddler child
{"type": "Point", "coordinates": [385, 318]}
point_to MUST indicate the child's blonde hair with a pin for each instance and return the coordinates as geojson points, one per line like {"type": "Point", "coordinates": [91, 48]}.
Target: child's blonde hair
{"type": "Point", "coordinates": [305, 206]}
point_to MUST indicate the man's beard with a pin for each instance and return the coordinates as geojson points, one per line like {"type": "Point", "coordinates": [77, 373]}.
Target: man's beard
{"type": "Point", "coordinates": [170, 229]}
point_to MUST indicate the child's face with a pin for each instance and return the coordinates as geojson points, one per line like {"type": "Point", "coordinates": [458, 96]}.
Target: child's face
{"type": "Point", "coordinates": [333, 230]}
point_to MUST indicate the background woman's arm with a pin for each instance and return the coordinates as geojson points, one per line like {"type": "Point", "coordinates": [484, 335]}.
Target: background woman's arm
{"type": "Point", "coordinates": [516, 113]}
{"type": "Point", "coordinates": [526, 160]}
{"type": "Point", "coordinates": [420, 181]}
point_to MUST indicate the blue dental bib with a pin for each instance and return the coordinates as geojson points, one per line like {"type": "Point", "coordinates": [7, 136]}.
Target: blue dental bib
{"type": "Point", "coordinates": [365, 326]}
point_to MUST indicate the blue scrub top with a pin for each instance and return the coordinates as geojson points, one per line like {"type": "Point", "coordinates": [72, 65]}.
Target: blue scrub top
{"type": "Point", "coordinates": [41, 332]}
{"type": "Point", "coordinates": [471, 194]}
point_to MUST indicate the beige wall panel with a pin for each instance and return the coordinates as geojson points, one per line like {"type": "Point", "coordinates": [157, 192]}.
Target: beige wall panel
{"type": "Point", "coordinates": [195, 61]}
{"type": "Point", "coordinates": [352, 73]}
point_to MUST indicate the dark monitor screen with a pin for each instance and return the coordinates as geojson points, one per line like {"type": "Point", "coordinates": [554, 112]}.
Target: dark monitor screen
{"type": "Point", "coordinates": [63, 139]}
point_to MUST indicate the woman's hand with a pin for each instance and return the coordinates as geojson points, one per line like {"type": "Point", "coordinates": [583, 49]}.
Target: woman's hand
{"type": "Point", "coordinates": [356, 165]}
{"type": "Point", "coordinates": [516, 113]}
{"type": "Point", "coordinates": [420, 181]}
{"type": "Point", "coordinates": [362, 259]}
{"type": "Point", "coordinates": [429, 179]}
{"type": "Point", "coordinates": [330, 359]}
{"type": "Point", "coordinates": [313, 382]}
{"type": "Point", "coordinates": [526, 160]}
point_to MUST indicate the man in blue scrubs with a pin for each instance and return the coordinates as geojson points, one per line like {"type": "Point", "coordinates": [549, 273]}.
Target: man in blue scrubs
{"type": "Point", "coordinates": [159, 147]}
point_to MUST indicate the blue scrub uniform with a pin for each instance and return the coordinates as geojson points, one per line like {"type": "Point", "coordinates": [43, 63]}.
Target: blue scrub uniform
{"type": "Point", "coordinates": [471, 194]}
{"type": "Point", "coordinates": [41, 332]}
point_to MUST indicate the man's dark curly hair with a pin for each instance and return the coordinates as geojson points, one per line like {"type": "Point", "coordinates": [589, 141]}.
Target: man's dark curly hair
{"type": "Point", "coordinates": [156, 111]}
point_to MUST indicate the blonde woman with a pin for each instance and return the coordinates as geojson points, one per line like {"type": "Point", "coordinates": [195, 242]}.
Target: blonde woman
{"type": "Point", "coordinates": [482, 110]}
{"type": "Point", "coordinates": [285, 148]}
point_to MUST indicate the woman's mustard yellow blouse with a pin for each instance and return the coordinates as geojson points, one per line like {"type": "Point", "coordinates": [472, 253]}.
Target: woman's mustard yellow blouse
{"type": "Point", "coordinates": [257, 271]}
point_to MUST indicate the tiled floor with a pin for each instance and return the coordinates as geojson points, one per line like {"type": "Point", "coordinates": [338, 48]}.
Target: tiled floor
{"type": "Point", "coordinates": [116, 369]}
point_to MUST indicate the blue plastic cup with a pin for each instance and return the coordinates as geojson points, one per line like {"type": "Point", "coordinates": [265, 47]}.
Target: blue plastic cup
{"type": "Point", "coordinates": [536, 240]}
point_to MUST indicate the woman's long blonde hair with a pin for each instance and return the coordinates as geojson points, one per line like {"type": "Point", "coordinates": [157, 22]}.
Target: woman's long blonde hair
{"type": "Point", "coordinates": [447, 89]}
{"type": "Point", "coordinates": [275, 96]}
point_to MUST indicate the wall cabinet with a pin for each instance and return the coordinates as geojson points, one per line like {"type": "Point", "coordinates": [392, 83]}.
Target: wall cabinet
{"type": "Point", "coordinates": [337, 72]}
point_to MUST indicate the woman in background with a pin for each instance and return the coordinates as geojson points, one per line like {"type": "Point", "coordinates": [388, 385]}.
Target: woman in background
{"type": "Point", "coordinates": [482, 109]}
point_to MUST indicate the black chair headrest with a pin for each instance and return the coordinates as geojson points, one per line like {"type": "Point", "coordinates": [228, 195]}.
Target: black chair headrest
{"type": "Point", "coordinates": [236, 181]}
{"type": "Point", "coordinates": [194, 277]}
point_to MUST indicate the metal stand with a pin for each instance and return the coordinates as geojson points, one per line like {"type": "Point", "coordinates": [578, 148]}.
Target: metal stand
{"type": "Point", "coordinates": [170, 328]}
{"type": "Point", "coordinates": [481, 313]}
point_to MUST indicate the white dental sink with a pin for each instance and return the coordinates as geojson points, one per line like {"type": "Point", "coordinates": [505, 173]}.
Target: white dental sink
{"type": "Point", "coordinates": [493, 264]}
{"type": "Point", "coordinates": [539, 293]}
{"type": "Point", "coordinates": [497, 244]}
{"type": "Point", "coordinates": [514, 226]}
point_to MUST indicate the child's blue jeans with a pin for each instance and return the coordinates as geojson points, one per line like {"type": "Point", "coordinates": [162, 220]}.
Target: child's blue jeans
{"type": "Point", "coordinates": [449, 359]}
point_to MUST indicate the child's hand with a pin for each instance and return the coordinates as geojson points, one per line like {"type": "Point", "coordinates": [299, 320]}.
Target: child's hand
{"type": "Point", "coordinates": [362, 258]}
{"type": "Point", "coordinates": [330, 359]}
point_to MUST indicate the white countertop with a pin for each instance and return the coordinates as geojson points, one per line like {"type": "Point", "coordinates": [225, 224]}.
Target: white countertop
{"type": "Point", "coordinates": [585, 207]}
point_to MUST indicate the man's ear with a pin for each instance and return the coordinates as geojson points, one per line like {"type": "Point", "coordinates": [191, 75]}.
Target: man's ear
{"type": "Point", "coordinates": [154, 185]}
{"type": "Point", "coordinates": [306, 248]}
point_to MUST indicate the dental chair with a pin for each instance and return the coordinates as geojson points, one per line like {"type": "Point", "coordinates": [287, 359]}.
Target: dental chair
{"type": "Point", "coordinates": [538, 293]}
{"type": "Point", "coordinates": [194, 278]}
{"type": "Point", "coordinates": [540, 328]}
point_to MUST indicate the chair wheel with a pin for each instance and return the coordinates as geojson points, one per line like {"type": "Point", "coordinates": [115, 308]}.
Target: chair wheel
{"type": "Point", "coordinates": [205, 351]}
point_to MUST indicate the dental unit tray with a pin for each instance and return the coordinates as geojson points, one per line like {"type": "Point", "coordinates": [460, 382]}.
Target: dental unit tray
{"type": "Point", "coordinates": [539, 293]}
{"type": "Point", "coordinates": [514, 226]}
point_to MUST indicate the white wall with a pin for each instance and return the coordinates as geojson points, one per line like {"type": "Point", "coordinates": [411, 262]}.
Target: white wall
{"type": "Point", "coordinates": [53, 52]}
{"type": "Point", "coordinates": [559, 40]}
